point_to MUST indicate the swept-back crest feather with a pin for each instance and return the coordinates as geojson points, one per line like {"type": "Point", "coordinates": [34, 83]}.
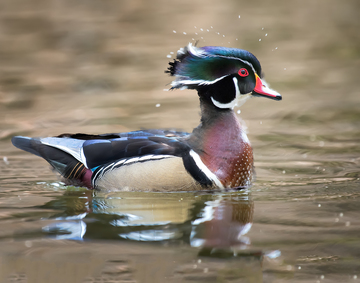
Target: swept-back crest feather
{"type": "Point", "coordinates": [206, 65]}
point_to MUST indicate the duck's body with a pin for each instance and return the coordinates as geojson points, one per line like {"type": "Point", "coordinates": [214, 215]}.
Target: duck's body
{"type": "Point", "coordinates": [217, 155]}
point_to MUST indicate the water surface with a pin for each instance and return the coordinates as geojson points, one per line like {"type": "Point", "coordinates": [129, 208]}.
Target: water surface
{"type": "Point", "coordinates": [97, 67]}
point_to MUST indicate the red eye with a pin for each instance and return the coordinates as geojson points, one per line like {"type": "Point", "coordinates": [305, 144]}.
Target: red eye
{"type": "Point", "coordinates": [243, 72]}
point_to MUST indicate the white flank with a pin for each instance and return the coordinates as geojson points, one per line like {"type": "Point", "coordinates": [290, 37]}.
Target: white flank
{"type": "Point", "coordinates": [205, 170]}
{"type": "Point", "coordinates": [111, 165]}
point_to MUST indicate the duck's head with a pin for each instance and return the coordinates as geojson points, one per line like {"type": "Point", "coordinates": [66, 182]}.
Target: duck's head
{"type": "Point", "coordinates": [224, 76]}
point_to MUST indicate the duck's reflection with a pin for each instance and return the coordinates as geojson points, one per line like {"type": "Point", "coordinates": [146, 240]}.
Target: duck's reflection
{"type": "Point", "coordinates": [223, 222]}
{"type": "Point", "coordinates": [208, 220]}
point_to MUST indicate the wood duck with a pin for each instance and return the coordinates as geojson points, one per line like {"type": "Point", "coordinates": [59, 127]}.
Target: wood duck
{"type": "Point", "coordinates": [217, 155]}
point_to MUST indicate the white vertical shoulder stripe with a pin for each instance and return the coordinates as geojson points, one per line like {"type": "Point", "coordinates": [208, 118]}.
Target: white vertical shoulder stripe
{"type": "Point", "coordinates": [206, 170]}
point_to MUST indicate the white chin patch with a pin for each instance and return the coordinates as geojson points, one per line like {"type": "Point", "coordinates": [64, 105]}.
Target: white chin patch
{"type": "Point", "coordinates": [242, 99]}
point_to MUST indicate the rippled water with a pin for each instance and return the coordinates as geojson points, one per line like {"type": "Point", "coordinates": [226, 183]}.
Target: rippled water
{"type": "Point", "coordinates": [98, 67]}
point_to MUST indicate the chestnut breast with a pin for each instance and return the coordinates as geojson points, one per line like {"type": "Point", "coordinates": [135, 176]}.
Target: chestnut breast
{"type": "Point", "coordinates": [228, 154]}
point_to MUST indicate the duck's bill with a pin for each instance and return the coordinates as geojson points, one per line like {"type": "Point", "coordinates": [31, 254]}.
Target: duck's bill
{"type": "Point", "coordinates": [261, 89]}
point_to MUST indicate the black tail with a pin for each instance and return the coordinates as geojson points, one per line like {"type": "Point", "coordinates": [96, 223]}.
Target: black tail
{"type": "Point", "coordinates": [69, 167]}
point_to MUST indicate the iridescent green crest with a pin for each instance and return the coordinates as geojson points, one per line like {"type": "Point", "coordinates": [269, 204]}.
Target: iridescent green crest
{"type": "Point", "coordinates": [196, 66]}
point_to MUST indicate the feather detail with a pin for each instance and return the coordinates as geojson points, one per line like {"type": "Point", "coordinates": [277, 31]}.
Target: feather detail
{"type": "Point", "coordinates": [206, 65]}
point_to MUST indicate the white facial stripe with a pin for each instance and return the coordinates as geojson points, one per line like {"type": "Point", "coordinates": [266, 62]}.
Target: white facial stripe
{"type": "Point", "coordinates": [205, 170]}
{"type": "Point", "coordinates": [232, 103]}
{"type": "Point", "coordinates": [237, 91]}
{"type": "Point", "coordinates": [196, 82]}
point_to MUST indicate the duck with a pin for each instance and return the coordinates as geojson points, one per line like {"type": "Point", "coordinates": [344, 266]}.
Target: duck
{"type": "Point", "coordinates": [215, 156]}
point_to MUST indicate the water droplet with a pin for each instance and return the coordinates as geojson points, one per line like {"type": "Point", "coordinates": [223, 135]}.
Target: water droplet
{"type": "Point", "coordinates": [341, 214]}
{"type": "Point", "coordinates": [168, 56]}
{"type": "Point", "coordinates": [6, 161]}
{"type": "Point", "coordinates": [171, 52]}
{"type": "Point", "coordinates": [201, 29]}
{"type": "Point", "coordinates": [223, 35]}
{"type": "Point", "coordinates": [157, 105]}
{"type": "Point", "coordinates": [284, 172]}
{"type": "Point", "coordinates": [319, 205]}
{"type": "Point", "coordinates": [207, 30]}
{"type": "Point", "coordinates": [265, 34]}
{"type": "Point", "coordinates": [276, 48]}
{"type": "Point", "coordinates": [260, 122]}
{"type": "Point", "coordinates": [184, 32]}
{"type": "Point", "coordinates": [347, 223]}
{"type": "Point", "coordinates": [239, 16]}
{"type": "Point", "coordinates": [211, 27]}
{"type": "Point", "coordinates": [28, 244]}
{"type": "Point", "coordinates": [174, 31]}
{"type": "Point", "coordinates": [236, 39]}
{"type": "Point", "coordinates": [355, 276]}
{"type": "Point", "coordinates": [196, 33]}
{"type": "Point", "coordinates": [322, 277]}
{"type": "Point", "coordinates": [299, 267]}
{"type": "Point", "coordinates": [259, 39]}
{"type": "Point", "coordinates": [194, 26]}
{"type": "Point", "coordinates": [321, 143]}
{"type": "Point", "coordinates": [284, 69]}
{"type": "Point", "coordinates": [239, 111]}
